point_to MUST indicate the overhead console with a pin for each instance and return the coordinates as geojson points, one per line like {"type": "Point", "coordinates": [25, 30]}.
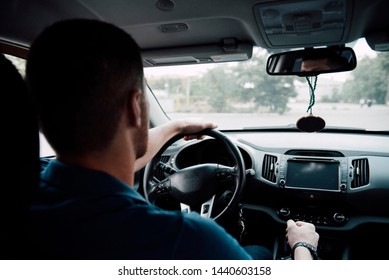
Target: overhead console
{"type": "Point", "coordinates": [318, 22]}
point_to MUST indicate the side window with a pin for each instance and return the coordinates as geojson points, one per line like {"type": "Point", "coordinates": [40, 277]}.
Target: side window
{"type": "Point", "coordinates": [20, 64]}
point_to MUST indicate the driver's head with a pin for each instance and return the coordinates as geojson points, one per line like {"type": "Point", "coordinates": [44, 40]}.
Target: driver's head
{"type": "Point", "coordinates": [322, 60]}
{"type": "Point", "coordinates": [81, 74]}
{"type": "Point", "coordinates": [315, 65]}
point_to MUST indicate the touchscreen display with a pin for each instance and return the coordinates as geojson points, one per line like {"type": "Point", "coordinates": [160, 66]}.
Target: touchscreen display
{"type": "Point", "coordinates": [313, 175]}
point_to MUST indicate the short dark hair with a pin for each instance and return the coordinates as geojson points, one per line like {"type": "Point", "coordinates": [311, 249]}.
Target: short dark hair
{"type": "Point", "coordinates": [333, 59]}
{"type": "Point", "coordinates": [80, 73]}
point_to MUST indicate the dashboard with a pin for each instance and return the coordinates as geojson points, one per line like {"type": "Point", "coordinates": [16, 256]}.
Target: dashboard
{"type": "Point", "coordinates": [337, 181]}
{"type": "Point", "coordinates": [331, 168]}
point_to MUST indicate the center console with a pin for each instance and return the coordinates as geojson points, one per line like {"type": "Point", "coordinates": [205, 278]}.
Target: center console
{"type": "Point", "coordinates": [308, 181]}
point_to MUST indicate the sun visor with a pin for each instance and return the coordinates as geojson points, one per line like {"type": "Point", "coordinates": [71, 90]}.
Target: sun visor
{"type": "Point", "coordinates": [229, 51]}
{"type": "Point", "coordinates": [304, 23]}
{"type": "Point", "coordinates": [378, 41]}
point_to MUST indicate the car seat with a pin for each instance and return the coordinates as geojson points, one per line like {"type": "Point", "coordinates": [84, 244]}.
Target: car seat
{"type": "Point", "coordinates": [20, 166]}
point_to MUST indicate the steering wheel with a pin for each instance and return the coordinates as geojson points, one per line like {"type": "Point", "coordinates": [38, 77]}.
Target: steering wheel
{"type": "Point", "coordinates": [201, 187]}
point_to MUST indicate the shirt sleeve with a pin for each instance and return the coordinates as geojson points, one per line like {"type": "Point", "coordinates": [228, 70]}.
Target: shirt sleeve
{"type": "Point", "coordinates": [204, 239]}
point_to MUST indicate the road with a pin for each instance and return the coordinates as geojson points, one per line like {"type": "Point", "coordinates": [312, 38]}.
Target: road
{"type": "Point", "coordinates": [344, 115]}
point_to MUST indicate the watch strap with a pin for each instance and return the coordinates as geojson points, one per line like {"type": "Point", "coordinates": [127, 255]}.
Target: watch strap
{"type": "Point", "coordinates": [312, 249]}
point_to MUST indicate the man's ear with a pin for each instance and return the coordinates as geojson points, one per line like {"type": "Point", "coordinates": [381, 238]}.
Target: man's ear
{"type": "Point", "coordinates": [134, 109]}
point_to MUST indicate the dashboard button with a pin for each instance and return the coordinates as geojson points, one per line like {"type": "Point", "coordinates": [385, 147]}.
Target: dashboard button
{"type": "Point", "coordinates": [284, 212]}
{"type": "Point", "coordinates": [339, 217]}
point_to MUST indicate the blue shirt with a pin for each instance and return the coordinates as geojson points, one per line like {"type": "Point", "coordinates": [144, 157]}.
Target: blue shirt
{"type": "Point", "coordinates": [79, 213]}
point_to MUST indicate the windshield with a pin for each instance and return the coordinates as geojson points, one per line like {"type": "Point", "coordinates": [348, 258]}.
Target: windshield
{"type": "Point", "coordinates": [241, 95]}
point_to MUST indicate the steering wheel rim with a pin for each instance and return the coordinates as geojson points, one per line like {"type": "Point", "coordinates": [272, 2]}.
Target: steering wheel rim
{"type": "Point", "coordinates": [238, 172]}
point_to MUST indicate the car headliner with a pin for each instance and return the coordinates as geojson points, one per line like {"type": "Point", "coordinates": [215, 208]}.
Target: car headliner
{"type": "Point", "coordinates": [164, 24]}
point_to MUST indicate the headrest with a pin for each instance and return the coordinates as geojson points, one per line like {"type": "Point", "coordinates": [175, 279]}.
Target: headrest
{"type": "Point", "coordinates": [19, 173]}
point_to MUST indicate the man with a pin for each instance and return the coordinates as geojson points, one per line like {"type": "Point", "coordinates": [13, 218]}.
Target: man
{"type": "Point", "coordinates": [315, 65]}
{"type": "Point", "coordinates": [323, 60]}
{"type": "Point", "coordinates": [87, 81]}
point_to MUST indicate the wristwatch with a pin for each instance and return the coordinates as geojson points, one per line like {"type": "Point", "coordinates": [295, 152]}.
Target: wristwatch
{"type": "Point", "coordinates": [312, 249]}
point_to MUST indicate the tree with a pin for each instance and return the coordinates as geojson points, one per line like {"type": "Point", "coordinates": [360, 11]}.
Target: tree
{"type": "Point", "coordinates": [369, 80]}
{"type": "Point", "coordinates": [171, 85]}
{"type": "Point", "coordinates": [216, 86]}
{"type": "Point", "coordinates": [272, 92]}
{"type": "Point", "coordinates": [244, 82]}
{"type": "Point", "coordinates": [227, 87]}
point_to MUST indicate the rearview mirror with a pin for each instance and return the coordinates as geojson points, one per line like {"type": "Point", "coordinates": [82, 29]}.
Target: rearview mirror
{"type": "Point", "coordinates": [312, 62]}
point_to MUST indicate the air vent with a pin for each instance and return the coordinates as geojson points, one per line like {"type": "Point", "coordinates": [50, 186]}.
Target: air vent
{"type": "Point", "coordinates": [361, 173]}
{"type": "Point", "coordinates": [269, 167]}
{"type": "Point", "coordinates": [159, 174]}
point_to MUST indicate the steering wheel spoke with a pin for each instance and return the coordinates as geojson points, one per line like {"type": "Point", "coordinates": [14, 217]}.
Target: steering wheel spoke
{"type": "Point", "coordinates": [185, 208]}
{"type": "Point", "coordinates": [159, 189]}
{"type": "Point", "coordinates": [206, 207]}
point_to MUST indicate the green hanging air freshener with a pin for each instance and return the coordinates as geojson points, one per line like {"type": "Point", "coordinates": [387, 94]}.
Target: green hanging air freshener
{"type": "Point", "coordinates": [311, 123]}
